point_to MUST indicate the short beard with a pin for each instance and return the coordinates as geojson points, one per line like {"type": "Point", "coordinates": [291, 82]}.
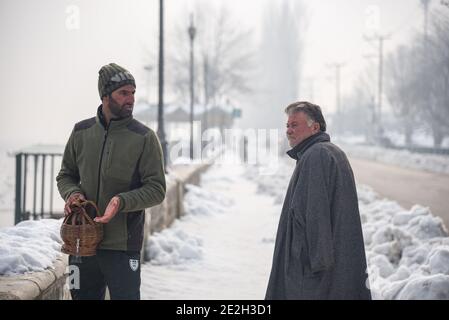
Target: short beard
{"type": "Point", "coordinates": [117, 110]}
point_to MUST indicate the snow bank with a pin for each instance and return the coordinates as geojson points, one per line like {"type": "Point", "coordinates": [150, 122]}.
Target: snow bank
{"type": "Point", "coordinates": [407, 250]}
{"type": "Point", "coordinates": [403, 158]}
{"type": "Point", "coordinates": [29, 246]}
{"type": "Point", "coordinates": [173, 246]}
{"type": "Point", "coordinates": [199, 201]}
{"type": "Point", "coordinates": [355, 146]}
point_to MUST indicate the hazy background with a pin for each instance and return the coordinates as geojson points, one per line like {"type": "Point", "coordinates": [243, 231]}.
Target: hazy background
{"type": "Point", "coordinates": [50, 60]}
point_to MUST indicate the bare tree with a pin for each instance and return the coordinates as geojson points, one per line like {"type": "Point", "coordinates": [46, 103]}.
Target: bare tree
{"type": "Point", "coordinates": [223, 66]}
{"type": "Point", "coordinates": [437, 76]}
{"type": "Point", "coordinates": [280, 57]}
{"type": "Point", "coordinates": [356, 116]}
{"type": "Point", "coordinates": [403, 88]}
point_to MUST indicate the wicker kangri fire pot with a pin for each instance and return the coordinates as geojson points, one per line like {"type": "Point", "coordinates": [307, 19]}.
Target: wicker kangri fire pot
{"type": "Point", "coordinates": [81, 235]}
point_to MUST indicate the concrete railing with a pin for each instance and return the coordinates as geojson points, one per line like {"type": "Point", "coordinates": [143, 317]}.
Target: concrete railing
{"type": "Point", "coordinates": [51, 283]}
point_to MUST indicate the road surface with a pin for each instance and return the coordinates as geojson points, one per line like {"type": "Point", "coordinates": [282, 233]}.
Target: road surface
{"type": "Point", "coordinates": [406, 186]}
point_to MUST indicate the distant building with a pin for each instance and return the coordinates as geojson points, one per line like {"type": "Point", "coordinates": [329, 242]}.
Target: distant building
{"type": "Point", "coordinates": [177, 118]}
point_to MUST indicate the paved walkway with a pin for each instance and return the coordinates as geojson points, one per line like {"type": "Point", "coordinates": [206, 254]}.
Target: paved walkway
{"type": "Point", "coordinates": [237, 246]}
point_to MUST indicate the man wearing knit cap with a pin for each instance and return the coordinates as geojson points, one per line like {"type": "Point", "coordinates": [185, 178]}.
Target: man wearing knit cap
{"type": "Point", "coordinates": [115, 161]}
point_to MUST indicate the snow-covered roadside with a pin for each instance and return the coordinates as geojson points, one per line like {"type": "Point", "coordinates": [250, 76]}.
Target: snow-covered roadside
{"type": "Point", "coordinates": [357, 147]}
{"type": "Point", "coordinates": [427, 162]}
{"type": "Point", "coordinates": [407, 250]}
{"type": "Point", "coordinates": [221, 248]}
{"type": "Point", "coordinates": [29, 246]}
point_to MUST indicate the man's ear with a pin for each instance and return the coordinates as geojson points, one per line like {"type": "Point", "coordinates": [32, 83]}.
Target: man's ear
{"type": "Point", "coordinates": [316, 127]}
{"type": "Point", "coordinates": [105, 100]}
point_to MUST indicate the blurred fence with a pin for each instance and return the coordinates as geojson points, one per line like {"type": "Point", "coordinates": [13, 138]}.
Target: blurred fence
{"type": "Point", "coordinates": [419, 149]}
{"type": "Point", "coordinates": [35, 183]}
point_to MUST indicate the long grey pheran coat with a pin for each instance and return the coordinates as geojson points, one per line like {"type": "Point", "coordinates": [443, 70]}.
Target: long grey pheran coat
{"type": "Point", "coordinates": [319, 251]}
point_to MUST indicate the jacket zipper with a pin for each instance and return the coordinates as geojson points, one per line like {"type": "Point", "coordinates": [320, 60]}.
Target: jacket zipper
{"type": "Point", "coordinates": [101, 160]}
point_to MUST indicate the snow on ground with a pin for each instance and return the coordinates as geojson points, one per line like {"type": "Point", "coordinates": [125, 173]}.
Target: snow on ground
{"type": "Point", "coordinates": [407, 250]}
{"type": "Point", "coordinates": [206, 255]}
{"type": "Point", "coordinates": [221, 248]}
{"type": "Point", "coordinates": [355, 146]}
{"type": "Point", "coordinates": [29, 246]}
{"type": "Point", "coordinates": [427, 162]}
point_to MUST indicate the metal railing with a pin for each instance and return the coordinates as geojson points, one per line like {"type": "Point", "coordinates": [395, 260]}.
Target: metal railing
{"type": "Point", "coordinates": [421, 149]}
{"type": "Point", "coordinates": [39, 162]}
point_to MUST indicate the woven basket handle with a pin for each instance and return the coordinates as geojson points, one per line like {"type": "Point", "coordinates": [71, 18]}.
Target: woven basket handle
{"type": "Point", "coordinates": [85, 204]}
{"type": "Point", "coordinates": [82, 204]}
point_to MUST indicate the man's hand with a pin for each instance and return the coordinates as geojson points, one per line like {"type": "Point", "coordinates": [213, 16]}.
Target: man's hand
{"type": "Point", "coordinates": [76, 196]}
{"type": "Point", "coordinates": [110, 212]}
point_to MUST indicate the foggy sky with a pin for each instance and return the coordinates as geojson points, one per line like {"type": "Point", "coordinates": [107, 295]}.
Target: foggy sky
{"type": "Point", "coordinates": [50, 69]}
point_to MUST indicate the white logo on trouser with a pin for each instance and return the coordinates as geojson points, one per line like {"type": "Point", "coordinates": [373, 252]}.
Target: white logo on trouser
{"type": "Point", "coordinates": [134, 264]}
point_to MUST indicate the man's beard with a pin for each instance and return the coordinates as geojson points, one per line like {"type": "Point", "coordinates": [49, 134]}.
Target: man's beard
{"type": "Point", "coordinates": [120, 111]}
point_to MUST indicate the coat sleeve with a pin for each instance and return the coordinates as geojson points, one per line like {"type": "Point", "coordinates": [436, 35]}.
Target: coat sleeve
{"type": "Point", "coordinates": [68, 178]}
{"type": "Point", "coordinates": [152, 178]}
{"type": "Point", "coordinates": [313, 207]}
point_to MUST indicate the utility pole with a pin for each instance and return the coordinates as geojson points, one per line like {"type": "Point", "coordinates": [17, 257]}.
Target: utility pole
{"type": "Point", "coordinates": [337, 67]}
{"type": "Point", "coordinates": [192, 31]}
{"type": "Point", "coordinates": [381, 40]}
{"type": "Point", "coordinates": [206, 89]}
{"type": "Point", "coordinates": [160, 110]}
{"type": "Point", "coordinates": [425, 5]}
{"type": "Point", "coordinates": [372, 96]}
{"type": "Point", "coordinates": [338, 119]}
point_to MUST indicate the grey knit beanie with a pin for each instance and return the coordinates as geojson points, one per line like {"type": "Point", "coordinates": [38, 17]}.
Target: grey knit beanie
{"type": "Point", "coordinates": [111, 77]}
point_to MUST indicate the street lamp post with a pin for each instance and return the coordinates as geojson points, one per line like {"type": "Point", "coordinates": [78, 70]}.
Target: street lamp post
{"type": "Point", "coordinates": [160, 113]}
{"type": "Point", "coordinates": [192, 32]}
{"type": "Point", "coordinates": [206, 90]}
{"type": "Point", "coordinates": [425, 4]}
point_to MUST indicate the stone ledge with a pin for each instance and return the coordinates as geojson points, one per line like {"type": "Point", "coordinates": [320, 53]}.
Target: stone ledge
{"type": "Point", "coordinates": [18, 288]}
{"type": "Point", "coordinates": [32, 285]}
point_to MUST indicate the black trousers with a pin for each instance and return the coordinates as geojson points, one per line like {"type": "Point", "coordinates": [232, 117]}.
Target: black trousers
{"type": "Point", "coordinates": [118, 270]}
